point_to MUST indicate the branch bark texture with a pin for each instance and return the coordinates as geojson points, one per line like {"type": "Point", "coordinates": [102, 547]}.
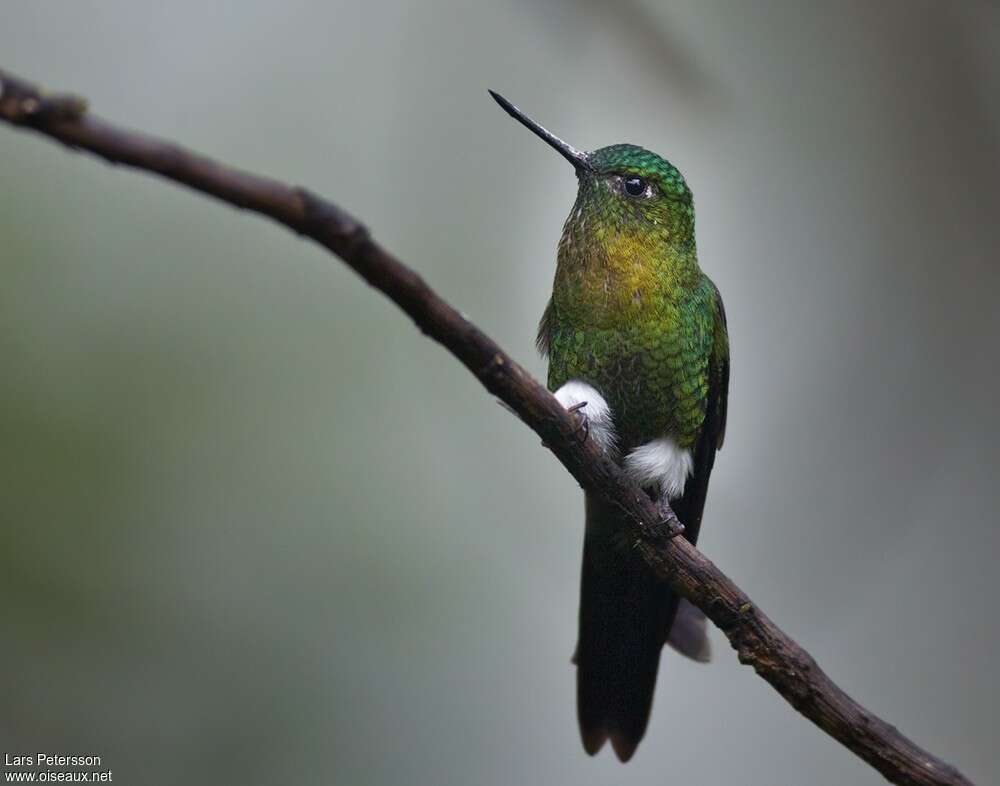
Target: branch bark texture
{"type": "Point", "coordinates": [757, 640]}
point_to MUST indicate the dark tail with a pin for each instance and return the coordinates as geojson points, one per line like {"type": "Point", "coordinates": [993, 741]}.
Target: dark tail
{"type": "Point", "coordinates": [625, 617]}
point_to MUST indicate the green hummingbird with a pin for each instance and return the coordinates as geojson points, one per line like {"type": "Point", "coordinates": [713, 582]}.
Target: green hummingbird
{"type": "Point", "coordinates": [637, 344]}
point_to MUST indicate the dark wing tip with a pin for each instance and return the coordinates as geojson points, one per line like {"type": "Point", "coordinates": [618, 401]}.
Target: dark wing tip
{"type": "Point", "coordinates": [689, 633]}
{"type": "Point", "coordinates": [543, 339]}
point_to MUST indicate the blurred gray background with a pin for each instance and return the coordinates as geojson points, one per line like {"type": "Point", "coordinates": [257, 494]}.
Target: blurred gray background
{"type": "Point", "coordinates": [257, 529]}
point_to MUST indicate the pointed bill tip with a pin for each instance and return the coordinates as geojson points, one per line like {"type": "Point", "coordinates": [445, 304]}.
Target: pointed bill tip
{"type": "Point", "coordinates": [508, 107]}
{"type": "Point", "coordinates": [577, 158]}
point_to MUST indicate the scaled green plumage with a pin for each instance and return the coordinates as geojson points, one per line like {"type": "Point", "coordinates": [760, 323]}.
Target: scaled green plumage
{"type": "Point", "coordinates": [631, 313]}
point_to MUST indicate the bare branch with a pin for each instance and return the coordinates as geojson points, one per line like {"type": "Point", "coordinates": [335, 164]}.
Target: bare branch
{"type": "Point", "coordinates": [756, 639]}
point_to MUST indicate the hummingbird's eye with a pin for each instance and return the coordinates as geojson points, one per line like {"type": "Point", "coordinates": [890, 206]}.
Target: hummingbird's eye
{"type": "Point", "coordinates": [635, 186]}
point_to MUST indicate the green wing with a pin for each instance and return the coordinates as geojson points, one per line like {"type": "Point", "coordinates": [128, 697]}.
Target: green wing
{"type": "Point", "coordinates": [690, 506]}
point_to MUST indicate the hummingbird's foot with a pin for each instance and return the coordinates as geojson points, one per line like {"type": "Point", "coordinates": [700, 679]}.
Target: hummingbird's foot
{"type": "Point", "coordinates": [583, 426]}
{"type": "Point", "coordinates": [668, 517]}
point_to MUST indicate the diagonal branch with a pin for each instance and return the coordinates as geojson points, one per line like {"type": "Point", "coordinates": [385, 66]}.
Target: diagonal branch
{"type": "Point", "coordinates": [756, 639]}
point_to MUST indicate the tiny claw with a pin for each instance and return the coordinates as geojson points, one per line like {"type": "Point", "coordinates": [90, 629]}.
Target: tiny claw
{"type": "Point", "coordinates": [669, 519]}
{"type": "Point", "coordinates": [674, 528]}
{"type": "Point", "coordinates": [584, 426]}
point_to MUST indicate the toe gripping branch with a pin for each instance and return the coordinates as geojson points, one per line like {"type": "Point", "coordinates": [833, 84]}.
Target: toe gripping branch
{"type": "Point", "coordinates": [583, 422]}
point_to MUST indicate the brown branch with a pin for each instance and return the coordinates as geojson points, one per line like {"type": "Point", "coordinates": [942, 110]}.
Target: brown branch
{"type": "Point", "coordinates": [756, 639]}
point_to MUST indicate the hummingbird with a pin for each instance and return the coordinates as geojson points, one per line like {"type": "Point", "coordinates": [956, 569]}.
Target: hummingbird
{"type": "Point", "coordinates": [638, 347]}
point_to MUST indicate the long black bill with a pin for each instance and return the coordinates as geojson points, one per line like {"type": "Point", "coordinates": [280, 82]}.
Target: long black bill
{"type": "Point", "coordinates": [576, 157]}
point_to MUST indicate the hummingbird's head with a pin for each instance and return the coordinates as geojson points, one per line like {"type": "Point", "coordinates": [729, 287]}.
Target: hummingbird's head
{"type": "Point", "coordinates": [625, 191]}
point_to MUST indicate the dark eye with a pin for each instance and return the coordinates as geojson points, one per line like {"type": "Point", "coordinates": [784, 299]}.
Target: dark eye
{"type": "Point", "coordinates": [635, 186]}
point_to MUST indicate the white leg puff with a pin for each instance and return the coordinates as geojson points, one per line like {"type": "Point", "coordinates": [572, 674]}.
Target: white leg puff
{"type": "Point", "coordinates": [600, 423]}
{"type": "Point", "coordinates": [662, 464]}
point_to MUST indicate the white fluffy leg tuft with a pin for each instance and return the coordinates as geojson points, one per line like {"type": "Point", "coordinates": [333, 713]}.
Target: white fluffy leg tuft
{"type": "Point", "coordinates": [660, 463]}
{"type": "Point", "coordinates": [600, 423]}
